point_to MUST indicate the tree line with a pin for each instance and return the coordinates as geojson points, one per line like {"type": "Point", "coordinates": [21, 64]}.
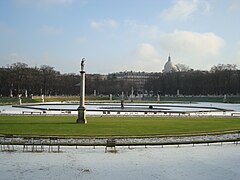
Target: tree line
{"type": "Point", "coordinates": [19, 78]}
{"type": "Point", "coordinates": [221, 79]}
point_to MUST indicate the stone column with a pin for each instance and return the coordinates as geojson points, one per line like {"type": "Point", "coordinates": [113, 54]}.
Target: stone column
{"type": "Point", "coordinates": [81, 109]}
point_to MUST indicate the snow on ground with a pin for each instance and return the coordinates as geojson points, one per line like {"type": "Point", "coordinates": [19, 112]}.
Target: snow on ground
{"type": "Point", "coordinates": [168, 163]}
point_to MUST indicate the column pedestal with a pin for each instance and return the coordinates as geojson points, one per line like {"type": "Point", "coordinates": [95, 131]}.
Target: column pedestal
{"type": "Point", "coordinates": [82, 115]}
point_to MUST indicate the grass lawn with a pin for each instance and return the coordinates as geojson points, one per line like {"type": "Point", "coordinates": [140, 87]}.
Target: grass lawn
{"type": "Point", "coordinates": [113, 126]}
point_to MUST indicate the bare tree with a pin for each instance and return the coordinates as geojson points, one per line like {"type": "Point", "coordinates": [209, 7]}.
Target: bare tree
{"type": "Point", "coordinates": [183, 67]}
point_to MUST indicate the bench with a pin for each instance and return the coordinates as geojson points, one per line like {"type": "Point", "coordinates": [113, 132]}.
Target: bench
{"type": "Point", "coordinates": [31, 112]}
{"type": "Point", "coordinates": [111, 143]}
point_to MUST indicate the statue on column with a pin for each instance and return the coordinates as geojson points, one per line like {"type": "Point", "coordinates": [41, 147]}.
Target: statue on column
{"type": "Point", "coordinates": [81, 109]}
{"type": "Point", "coordinates": [82, 64]}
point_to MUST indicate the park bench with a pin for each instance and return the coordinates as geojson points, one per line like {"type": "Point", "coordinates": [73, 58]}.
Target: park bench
{"type": "Point", "coordinates": [111, 143]}
{"type": "Point", "coordinates": [31, 112]}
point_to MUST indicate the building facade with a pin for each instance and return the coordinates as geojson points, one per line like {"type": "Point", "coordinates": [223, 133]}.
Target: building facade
{"type": "Point", "coordinates": [137, 79]}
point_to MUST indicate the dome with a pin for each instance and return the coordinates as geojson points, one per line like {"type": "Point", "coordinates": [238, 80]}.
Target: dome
{"type": "Point", "coordinates": [169, 67]}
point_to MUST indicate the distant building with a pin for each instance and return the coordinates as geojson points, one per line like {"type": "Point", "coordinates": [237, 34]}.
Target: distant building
{"type": "Point", "coordinates": [137, 79]}
{"type": "Point", "coordinates": [169, 67]}
{"type": "Point", "coordinates": [96, 77]}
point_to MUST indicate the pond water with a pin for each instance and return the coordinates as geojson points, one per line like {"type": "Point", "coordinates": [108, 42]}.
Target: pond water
{"type": "Point", "coordinates": [201, 108]}
{"type": "Point", "coordinates": [169, 163]}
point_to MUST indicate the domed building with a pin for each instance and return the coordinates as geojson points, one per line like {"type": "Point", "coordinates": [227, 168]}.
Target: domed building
{"type": "Point", "coordinates": [169, 67]}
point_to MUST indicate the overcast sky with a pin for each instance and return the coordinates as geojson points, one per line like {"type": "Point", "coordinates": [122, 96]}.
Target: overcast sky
{"type": "Point", "coordinates": [119, 35]}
